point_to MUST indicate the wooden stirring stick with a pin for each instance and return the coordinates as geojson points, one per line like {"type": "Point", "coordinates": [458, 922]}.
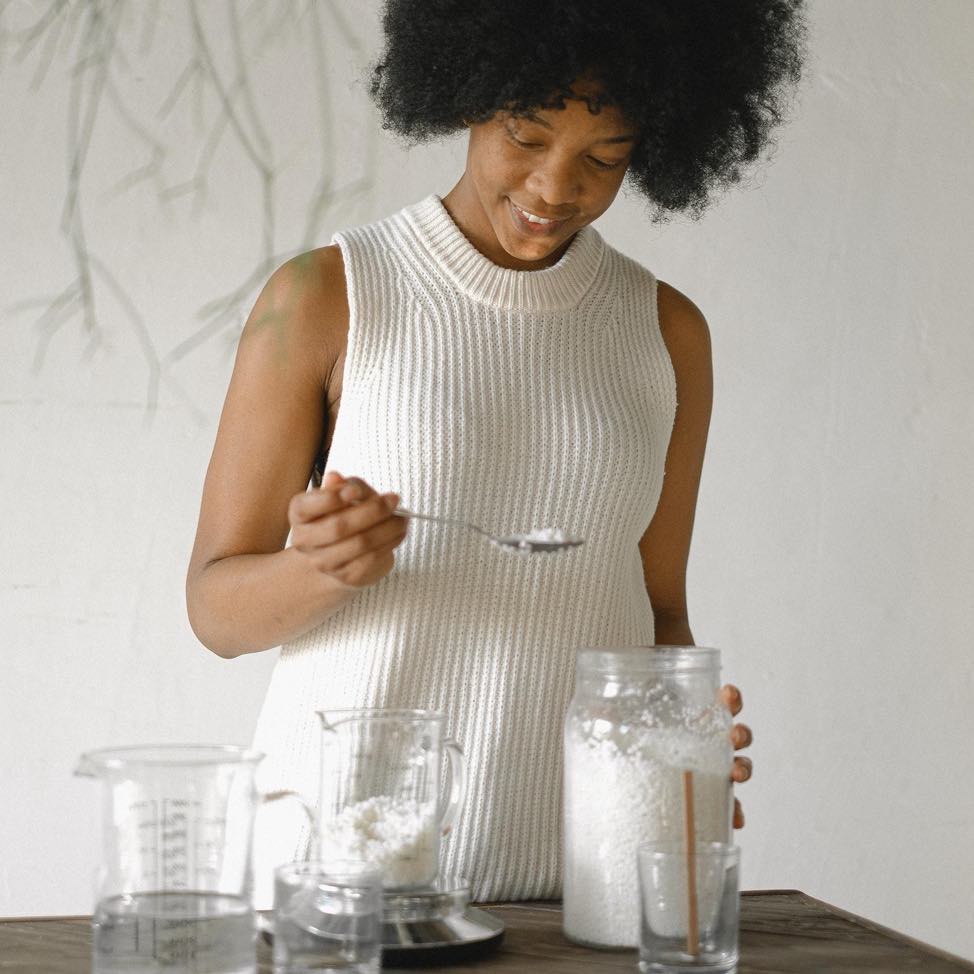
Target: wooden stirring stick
{"type": "Point", "coordinates": [689, 825]}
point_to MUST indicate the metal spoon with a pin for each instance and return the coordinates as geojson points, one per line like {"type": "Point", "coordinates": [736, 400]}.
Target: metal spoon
{"type": "Point", "coordinates": [514, 542]}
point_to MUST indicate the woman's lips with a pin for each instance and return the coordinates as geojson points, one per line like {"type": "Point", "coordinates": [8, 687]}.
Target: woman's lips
{"type": "Point", "coordinates": [534, 229]}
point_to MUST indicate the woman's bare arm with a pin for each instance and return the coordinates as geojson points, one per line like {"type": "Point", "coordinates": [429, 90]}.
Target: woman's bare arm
{"type": "Point", "coordinates": [244, 591]}
{"type": "Point", "coordinates": [665, 547]}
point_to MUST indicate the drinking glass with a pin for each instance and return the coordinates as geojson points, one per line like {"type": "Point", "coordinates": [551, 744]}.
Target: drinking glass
{"type": "Point", "coordinates": [689, 908]}
{"type": "Point", "coordinates": [327, 918]}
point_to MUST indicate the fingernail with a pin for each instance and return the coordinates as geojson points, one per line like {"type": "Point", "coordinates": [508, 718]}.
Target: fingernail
{"type": "Point", "coordinates": [392, 501]}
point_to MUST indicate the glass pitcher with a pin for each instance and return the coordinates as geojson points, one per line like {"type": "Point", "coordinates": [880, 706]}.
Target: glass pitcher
{"type": "Point", "coordinates": [382, 794]}
{"type": "Point", "coordinates": [640, 719]}
{"type": "Point", "coordinates": [173, 892]}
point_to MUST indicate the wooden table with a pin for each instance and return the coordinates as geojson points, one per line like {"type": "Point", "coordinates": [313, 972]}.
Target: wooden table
{"type": "Point", "coordinates": [782, 932]}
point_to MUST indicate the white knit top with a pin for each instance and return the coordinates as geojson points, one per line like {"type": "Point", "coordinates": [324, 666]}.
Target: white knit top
{"type": "Point", "coordinates": [516, 400]}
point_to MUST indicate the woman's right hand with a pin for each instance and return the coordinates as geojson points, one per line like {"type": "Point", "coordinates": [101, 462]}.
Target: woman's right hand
{"type": "Point", "coordinates": [347, 530]}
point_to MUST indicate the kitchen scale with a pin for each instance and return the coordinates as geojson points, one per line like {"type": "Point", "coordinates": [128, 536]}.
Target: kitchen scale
{"type": "Point", "coordinates": [385, 765]}
{"type": "Point", "coordinates": [433, 925]}
{"type": "Point", "coordinates": [436, 925]}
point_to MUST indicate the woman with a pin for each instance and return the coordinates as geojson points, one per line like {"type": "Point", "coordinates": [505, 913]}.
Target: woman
{"type": "Point", "coordinates": [486, 355]}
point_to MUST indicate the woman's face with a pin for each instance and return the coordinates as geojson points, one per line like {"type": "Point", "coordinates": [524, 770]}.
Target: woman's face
{"type": "Point", "coordinates": [532, 182]}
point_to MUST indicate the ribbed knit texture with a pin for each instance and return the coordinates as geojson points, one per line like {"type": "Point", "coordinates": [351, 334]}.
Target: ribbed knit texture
{"type": "Point", "coordinates": [515, 400]}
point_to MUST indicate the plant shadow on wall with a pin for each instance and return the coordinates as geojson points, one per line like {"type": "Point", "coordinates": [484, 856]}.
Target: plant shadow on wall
{"type": "Point", "coordinates": [94, 48]}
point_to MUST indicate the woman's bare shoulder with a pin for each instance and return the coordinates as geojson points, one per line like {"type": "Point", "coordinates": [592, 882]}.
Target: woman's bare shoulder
{"type": "Point", "coordinates": [683, 326]}
{"type": "Point", "coordinates": [302, 311]}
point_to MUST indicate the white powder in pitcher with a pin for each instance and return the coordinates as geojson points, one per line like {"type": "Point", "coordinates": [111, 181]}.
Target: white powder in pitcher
{"type": "Point", "coordinates": [395, 835]}
{"type": "Point", "coordinates": [619, 798]}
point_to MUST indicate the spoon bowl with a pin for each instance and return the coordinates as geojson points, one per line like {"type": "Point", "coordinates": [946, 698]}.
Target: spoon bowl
{"type": "Point", "coordinates": [521, 542]}
{"type": "Point", "coordinates": [545, 541]}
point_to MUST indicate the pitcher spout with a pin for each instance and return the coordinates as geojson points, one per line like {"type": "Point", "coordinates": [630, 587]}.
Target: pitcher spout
{"type": "Point", "coordinates": [331, 719]}
{"type": "Point", "coordinates": [87, 767]}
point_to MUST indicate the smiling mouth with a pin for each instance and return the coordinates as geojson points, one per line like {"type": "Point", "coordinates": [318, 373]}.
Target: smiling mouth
{"type": "Point", "coordinates": [531, 222]}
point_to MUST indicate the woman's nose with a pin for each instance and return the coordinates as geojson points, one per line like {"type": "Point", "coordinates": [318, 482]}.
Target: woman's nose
{"type": "Point", "coordinates": [556, 185]}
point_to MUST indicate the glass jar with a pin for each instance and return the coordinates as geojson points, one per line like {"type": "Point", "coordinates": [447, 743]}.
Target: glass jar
{"type": "Point", "coordinates": [640, 718]}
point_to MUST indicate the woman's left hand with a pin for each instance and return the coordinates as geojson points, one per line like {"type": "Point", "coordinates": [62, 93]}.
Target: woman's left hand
{"type": "Point", "coordinates": [741, 737]}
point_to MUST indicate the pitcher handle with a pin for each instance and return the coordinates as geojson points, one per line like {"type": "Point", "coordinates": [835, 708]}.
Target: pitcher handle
{"type": "Point", "coordinates": [265, 924]}
{"type": "Point", "coordinates": [450, 809]}
{"type": "Point", "coordinates": [311, 849]}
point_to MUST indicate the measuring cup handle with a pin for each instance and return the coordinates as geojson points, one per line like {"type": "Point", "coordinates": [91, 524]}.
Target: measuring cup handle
{"type": "Point", "coordinates": [458, 785]}
{"type": "Point", "coordinates": [311, 849]}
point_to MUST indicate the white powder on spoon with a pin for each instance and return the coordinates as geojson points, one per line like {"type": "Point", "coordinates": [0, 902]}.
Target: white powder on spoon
{"type": "Point", "coordinates": [544, 534]}
{"type": "Point", "coordinates": [540, 536]}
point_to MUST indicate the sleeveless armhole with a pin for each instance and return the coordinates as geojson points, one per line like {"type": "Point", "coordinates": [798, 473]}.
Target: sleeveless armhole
{"type": "Point", "coordinates": [639, 303]}
{"type": "Point", "coordinates": [664, 378]}
{"type": "Point", "coordinates": [353, 295]}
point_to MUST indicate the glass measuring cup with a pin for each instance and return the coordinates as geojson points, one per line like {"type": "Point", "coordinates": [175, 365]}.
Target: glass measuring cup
{"type": "Point", "coordinates": [173, 891]}
{"type": "Point", "coordinates": [382, 799]}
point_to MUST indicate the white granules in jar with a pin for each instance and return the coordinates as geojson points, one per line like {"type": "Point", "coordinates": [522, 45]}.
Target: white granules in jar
{"type": "Point", "coordinates": [397, 836]}
{"type": "Point", "coordinates": [619, 797]}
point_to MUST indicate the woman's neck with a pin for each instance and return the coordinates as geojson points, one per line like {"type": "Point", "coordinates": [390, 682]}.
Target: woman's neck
{"type": "Point", "coordinates": [467, 212]}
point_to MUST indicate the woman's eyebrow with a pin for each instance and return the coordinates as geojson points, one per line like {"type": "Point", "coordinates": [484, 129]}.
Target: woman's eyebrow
{"type": "Point", "coordinates": [610, 140]}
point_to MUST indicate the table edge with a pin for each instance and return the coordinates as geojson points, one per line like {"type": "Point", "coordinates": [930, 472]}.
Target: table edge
{"type": "Point", "coordinates": [888, 932]}
{"type": "Point", "coordinates": [555, 905]}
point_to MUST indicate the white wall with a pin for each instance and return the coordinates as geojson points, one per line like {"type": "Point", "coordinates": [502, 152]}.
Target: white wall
{"type": "Point", "coordinates": [834, 540]}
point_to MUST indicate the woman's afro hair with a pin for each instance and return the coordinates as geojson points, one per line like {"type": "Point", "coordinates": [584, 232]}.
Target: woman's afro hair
{"type": "Point", "coordinates": [704, 81]}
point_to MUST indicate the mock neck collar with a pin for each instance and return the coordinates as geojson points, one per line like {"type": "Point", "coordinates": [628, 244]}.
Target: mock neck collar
{"type": "Point", "coordinates": [554, 288]}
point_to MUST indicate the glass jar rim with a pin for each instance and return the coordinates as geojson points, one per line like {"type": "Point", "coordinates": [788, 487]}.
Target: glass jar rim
{"type": "Point", "coordinates": [606, 660]}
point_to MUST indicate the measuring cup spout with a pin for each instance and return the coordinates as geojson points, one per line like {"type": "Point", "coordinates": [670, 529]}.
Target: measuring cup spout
{"type": "Point", "coordinates": [99, 764]}
{"type": "Point", "coordinates": [86, 768]}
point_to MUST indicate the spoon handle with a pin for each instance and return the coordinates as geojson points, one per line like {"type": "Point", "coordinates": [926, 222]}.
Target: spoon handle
{"type": "Point", "coordinates": [404, 512]}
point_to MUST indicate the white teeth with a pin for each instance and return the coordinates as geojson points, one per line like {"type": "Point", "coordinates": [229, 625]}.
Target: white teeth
{"type": "Point", "coordinates": [531, 218]}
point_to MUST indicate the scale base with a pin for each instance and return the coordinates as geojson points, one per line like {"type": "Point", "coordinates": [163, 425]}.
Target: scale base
{"type": "Point", "coordinates": [436, 925]}
{"type": "Point", "coordinates": [430, 926]}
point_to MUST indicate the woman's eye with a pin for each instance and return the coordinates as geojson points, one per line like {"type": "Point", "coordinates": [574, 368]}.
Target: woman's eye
{"type": "Point", "coordinates": [599, 164]}
{"type": "Point", "coordinates": [521, 143]}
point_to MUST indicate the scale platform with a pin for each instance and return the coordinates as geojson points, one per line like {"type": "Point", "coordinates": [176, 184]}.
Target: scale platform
{"type": "Point", "coordinates": [436, 925]}
{"type": "Point", "coordinates": [430, 926]}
